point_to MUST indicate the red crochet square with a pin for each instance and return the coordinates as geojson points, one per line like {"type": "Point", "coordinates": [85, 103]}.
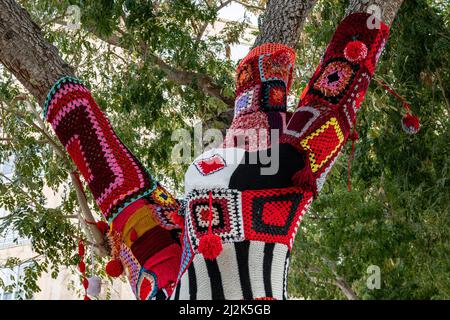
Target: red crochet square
{"type": "Point", "coordinates": [273, 215]}
{"type": "Point", "coordinates": [273, 212]}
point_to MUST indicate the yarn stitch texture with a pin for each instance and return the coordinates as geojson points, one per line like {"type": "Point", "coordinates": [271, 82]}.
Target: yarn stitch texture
{"type": "Point", "coordinates": [255, 217]}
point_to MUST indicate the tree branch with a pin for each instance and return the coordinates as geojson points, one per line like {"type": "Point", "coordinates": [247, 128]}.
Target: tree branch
{"type": "Point", "coordinates": [26, 54]}
{"type": "Point", "coordinates": [204, 82]}
{"type": "Point", "coordinates": [345, 288]}
{"type": "Point", "coordinates": [339, 282]}
{"type": "Point", "coordinates": [82, 201]}
{"type": "Point", "coordinates": [284, 19]}
{"type": "Point", "coordinates": [249, 6]}
{"type": "Point", "coordinates": [179, 77]}
{"type": "Point", "coordinates": [87, 215]}
{"type": "Point", "coordinates": [41, 129]}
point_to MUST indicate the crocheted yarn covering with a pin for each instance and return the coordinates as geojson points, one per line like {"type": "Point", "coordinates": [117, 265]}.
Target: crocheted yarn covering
{"type": "Point", "coordinates": [243, 271]}
{"type": "Point", "coordinates": [274, 215]}
{"type": "Point", "coordinates": [264, 78]}
{"type": "Point", "coordinates": [257, 229]}
{"type": "Point", "coordinates": [114, 176]}
{"type": "Point", "coordinates": [138, 208]}
{"type": "Point", "coordinates": [327, 111]}
{"type": "Point", "coordinates": [257, 216]}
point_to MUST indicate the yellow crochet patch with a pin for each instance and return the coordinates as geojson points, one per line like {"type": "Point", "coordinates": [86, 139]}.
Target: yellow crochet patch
{"type": "Point", "coordinates": [141, 221]}
{"type": "Point", "coordinates": [323, 143]}
{"type": "Point", "coordinates": [162, 197]}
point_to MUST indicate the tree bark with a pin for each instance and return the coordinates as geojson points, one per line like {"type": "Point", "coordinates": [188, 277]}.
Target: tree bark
{"type": "Point", "coordinates": [283, 21]}
{"type": "Point", "coordinates": [26, 54]}
{"type": "Point", "coordinates": [388, 8]}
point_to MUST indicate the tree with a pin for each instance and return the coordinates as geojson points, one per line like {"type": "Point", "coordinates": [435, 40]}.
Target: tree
{"type": "Point", "coordinates": [137, 58]}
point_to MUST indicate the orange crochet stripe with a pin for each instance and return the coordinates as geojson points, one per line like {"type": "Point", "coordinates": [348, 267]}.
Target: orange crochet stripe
{"type": "Point", "coordinates": [267, 48]}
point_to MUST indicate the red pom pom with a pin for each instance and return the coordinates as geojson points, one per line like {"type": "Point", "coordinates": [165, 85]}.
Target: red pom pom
{"type": "Point", "coordinates": [82, 266]}
{"type": "Point", "coordinates": [86, 298]}
{"type": "Point", "coordinates": [85, 283]}
{"type": "Point", "coordinates": [133, 235]}
{"type": "Point", "coordinates": [103, 227]}
{"type": "Point", "coordinates": [410, 124]}
{"type": "Point", "coordinates": [81, 248]}
{"type": "Point", "coordinates": [355, 51]}
{"type": "Point", "coordinates": [305, 180]}
{"type": "Point", "coordinates": [114, 268]}
{"type": "Point", "coordinates": [210, 246]}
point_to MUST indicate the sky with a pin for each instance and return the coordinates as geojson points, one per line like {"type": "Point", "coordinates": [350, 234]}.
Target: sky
{"type": "Point", "coordinates": [237, 12]}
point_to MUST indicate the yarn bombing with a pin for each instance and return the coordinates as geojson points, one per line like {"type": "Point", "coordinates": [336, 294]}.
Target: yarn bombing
{"type": "Point", "coordinates": [326, 114]}
{"type": "Point", "coordinates": [238, 224]}
{"type": "Point", "coordinates": [137, 207]}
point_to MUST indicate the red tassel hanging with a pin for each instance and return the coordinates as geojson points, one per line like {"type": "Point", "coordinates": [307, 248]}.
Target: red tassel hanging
{"type": "Point", "coordinates": [177, 219]}
{"type": "Point", "coordinates": [114, 268]}
{"type": "Point", "coordinates": [354, 137]}
{"type": "Point", "coordinates": [102, 226]}
{"type": "Point", "coordinates": [80, 248]}
{"type": "Point", "coordinates": [305, 179]}
{"type": "Point", "coordinates": [210, 245]}
{"type": "Point", "coordinates": [85, 283]}
{"type": "Point", "coordinates": [82, 268]}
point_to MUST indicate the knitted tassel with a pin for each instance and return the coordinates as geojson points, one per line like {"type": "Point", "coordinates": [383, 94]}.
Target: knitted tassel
{"type": "Point", "coordinates": [354, 137]}
{"type": "Point", "coordinates": [305, 179]}
{"type": "Point", "coordinates": [81, 248]}
{"type": "Point", "coordinates": [210, 245]}
{"type": "Point", "coordinates": [82, 266]}
{"type": "Point", "coordinates": [114, 268]}
{"type": "Point", "coordinates": [102, 226]}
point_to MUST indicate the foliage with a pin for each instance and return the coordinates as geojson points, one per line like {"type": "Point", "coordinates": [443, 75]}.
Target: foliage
{"type": "Point", "coordinates": [397, 215]}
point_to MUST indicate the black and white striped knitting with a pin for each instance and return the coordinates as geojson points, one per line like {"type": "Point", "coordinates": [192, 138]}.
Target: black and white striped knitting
{"type": "Point", "coordinates": [244, 270]}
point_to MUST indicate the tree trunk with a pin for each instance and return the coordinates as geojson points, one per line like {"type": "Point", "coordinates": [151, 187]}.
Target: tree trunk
{"type": "Point", "coordinates": [26, 54]}
{"type": "Point", "coordinates": [388, 8]}
{"type": "Point", "coordinates": [283, 21]}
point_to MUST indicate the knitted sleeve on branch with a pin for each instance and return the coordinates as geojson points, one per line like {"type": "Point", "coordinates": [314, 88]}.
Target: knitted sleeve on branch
{"type": "Point", "coordinates": [137, 207]}
{"type": "Point", "coordinates": [263, 80]}
{"type": "Point", "coordinates": [326, 115]}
